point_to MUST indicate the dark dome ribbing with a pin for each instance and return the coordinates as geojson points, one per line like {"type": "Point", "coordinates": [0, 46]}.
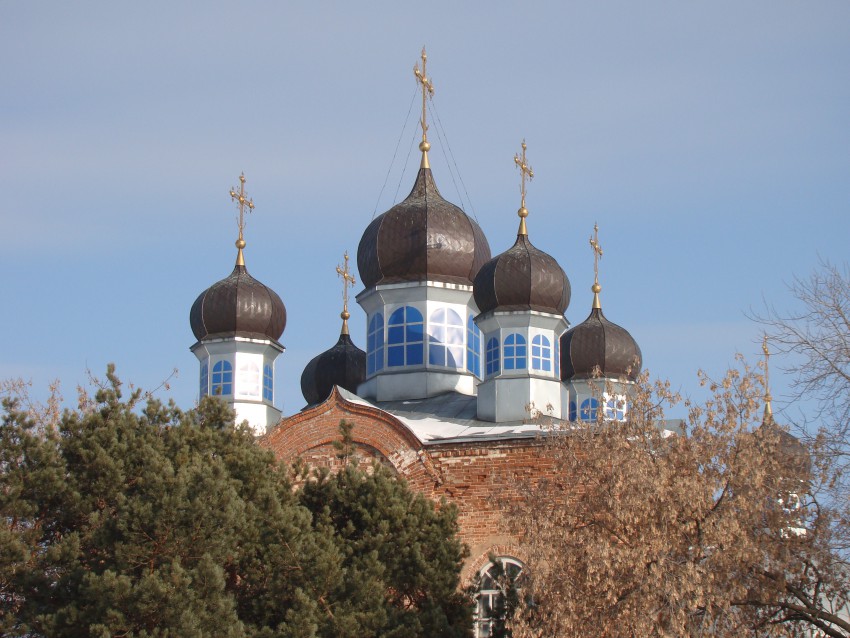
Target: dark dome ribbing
{"type": "Point", "coordinates": [597, 346]}
{"type": "Point", "coordinates": [238, 305]}
{"type": "Point", "coordinates": [522, 278]}
{"type": "Point", "coordinates": [422, 238]}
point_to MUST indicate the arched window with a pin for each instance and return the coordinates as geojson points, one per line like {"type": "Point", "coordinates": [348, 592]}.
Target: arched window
{"type": "Point", "coordinates": [498, 592]}
{"type": "Point", "coordinates": [516, 352]}
{"type": "Point", "coordinates": [375, 344]}
{"type": "Point", "coordinates": [205, 378]}
{"type": "Point", "coordinates": [473, 347]}
{"type": "Point", "coordinates": [222, 379]}
{"type": "Point", "coordinates": [541, 354]}
{"type": "Point", "coordinates": [248, 383]}
{"type": "Point", "coordinates": [615, 407]}
{"type": "Point", "coordinates": [492, 356]}
{"type": "Point", "coordinates": [573, 411]}
{"type": "Point", "coordinates": [589, 409]}
{"type": "Point", "coordinates": [405, 337]}
{"type": "Point", "coordinates": [268, 383]}
{"type": "Point", "coordinates": [445, 343]}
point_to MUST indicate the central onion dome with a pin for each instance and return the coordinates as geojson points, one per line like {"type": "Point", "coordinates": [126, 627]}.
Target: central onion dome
{"type": "Point", "coordinates": [599, 348]}
{"type": "Point", "coordinates": [238, 305]}
{"type": "Point", "coordinates": [422, 238]}
{"type": "Point", "coordinates": [522, 278]}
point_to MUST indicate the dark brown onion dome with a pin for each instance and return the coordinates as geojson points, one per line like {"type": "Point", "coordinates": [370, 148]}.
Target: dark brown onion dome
{"type": "Point", "coordinates": [238, 305]}
{"type": "Point", "coordinates": [522, 278]}
{"type": "Point", "coordinates": [422, 238]}
{"type": "Point", "coordinates": [343, 365]}
{"type": "Point", "coordinates": [597, 347]}
{"type": "Point", "coordinates": [793, 455]}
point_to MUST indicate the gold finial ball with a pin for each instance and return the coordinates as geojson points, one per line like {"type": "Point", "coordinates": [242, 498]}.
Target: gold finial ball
{"type": "Point", "coordinates": [424, 146]}
{"type": "Point", "coordinates": [522, 212]}
{"type": "Point", "coordinates": [345, 315]}
{"type": "Point", "coordinates": [596, 288]}
{"type": "Point", "coordinates": [240, 244]}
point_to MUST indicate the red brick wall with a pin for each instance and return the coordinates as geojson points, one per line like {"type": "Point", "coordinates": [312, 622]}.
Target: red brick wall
{"type": "Point", "coordinates": [481, 478]}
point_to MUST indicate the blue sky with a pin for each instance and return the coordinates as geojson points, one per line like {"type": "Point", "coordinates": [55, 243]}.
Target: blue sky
{"type": "Point", "coordinates": [709, 140]}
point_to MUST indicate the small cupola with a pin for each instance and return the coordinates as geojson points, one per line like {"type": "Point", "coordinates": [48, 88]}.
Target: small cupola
{"type": "Point", "coordinates": [238, 322]}
{"type": "Point", "coordinates": [598, 348]}
{"type": "Point", "coordinates": [521, 296]}
{"type": "Point", "coordinates": [238, 305]}
{"type": "Point", "coordinates": [344, 364]}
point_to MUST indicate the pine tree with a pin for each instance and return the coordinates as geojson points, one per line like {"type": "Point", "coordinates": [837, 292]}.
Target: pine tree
{"type": "Point", "coordinates": [402, 557]}
{"type": "Point", "coordinates": [153, 522]}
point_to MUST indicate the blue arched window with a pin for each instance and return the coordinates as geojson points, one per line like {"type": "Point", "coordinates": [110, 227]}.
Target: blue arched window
{"type": "Point", "coordinates": [205, 378]}
{"type": "Point", "coordinates": [222, 379]}
{"type": "Point", "coordinates": [541, 354]}
{"type": "Point", "coordinates": [445, 343]}
{"type": "Point", "coordinates": [492, 356]}
{"type": "Point", "coordinates": [573, 411]}
{"type": "Point", "coordinates": [516, 352]}
{"type": "Point", "coordinates": [375, 344]}
{"type": "Point", "coordinates": [589, 408]}
{"type": "Point", "coordinates": [405, 337]}
{"type": "Point", "coordinates": [615, 408]}
{"type": "Point", "coordinates": [268, 383]}
{"type": "Point", "coordinates": [473, 347]}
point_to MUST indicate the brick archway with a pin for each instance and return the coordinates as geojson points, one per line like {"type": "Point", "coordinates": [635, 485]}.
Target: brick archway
{"type": "Point", "coordinates": [311, 433]}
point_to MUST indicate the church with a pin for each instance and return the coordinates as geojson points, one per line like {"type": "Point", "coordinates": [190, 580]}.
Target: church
{"type": "Point", "coordinates": [463, 352]}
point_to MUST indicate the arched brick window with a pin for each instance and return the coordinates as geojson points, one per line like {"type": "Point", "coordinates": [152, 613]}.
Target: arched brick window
{"type": "Point", "coordinates": [498, 588]}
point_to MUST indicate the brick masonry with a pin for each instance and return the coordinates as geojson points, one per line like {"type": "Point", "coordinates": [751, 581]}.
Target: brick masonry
{"type": "Point", "coordinates": [481, 478]}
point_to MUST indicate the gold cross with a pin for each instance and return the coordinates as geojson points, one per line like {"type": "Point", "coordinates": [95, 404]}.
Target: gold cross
{"type": "Point", "coordinates": [527, 173]}
{"type": "Point", "coordinates": [766, 372]}
{"type": "Point", "coordinates": [427, 89]}
{"type": "Point", "coordinates": [243, 202]}
{"type": "Point", "coordinates": [597, 253]}
{"type": "Point", "coordinates": [347, 278]}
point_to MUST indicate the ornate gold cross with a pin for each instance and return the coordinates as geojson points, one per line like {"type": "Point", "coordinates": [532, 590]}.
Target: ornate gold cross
{"type": "Point", "coordinates": [526, 174]}
{"type": "Point", "coordinates": [427, 89]}
{"type": "Point", "coordinates": [597, 252]}
{"type": "Point", "coordinates": [347, 278]}
{"type": "Point", "coordinates": [597, 255]}
{"type": "Point", "coordinates": [768, 411]}
{"type": "Point", "coordinates": [243, 201]}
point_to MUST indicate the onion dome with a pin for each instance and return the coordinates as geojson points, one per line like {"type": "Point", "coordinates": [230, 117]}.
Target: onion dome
{"type": "Point", "coordinates": [343, 365]}
{"type": "Point", "coordinates": [238, 305]}
{"type": "Point", "coordinates": [596, 347]}
{"type": "Point", "coordinates": [422, 238]}
{"type": "Point", "coordinates": [793, 455]}
{"type": "Point", "coordinates": [522, 278]}
{"type": "Point", "coordinates": [599, 348]}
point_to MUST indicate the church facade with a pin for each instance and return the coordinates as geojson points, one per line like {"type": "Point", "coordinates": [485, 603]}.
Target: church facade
{"type": "Point", "coordinates": [463, 351]}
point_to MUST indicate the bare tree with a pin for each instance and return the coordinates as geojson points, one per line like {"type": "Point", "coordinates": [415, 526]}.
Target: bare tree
{"type": "Point", "coordinates": [707, 532]}
{"type": "Point", "coordinates": [815, 340]}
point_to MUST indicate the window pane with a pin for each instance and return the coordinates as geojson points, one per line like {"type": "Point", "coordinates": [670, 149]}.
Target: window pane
{"type": "Point", "coordinates": [414, 354]}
